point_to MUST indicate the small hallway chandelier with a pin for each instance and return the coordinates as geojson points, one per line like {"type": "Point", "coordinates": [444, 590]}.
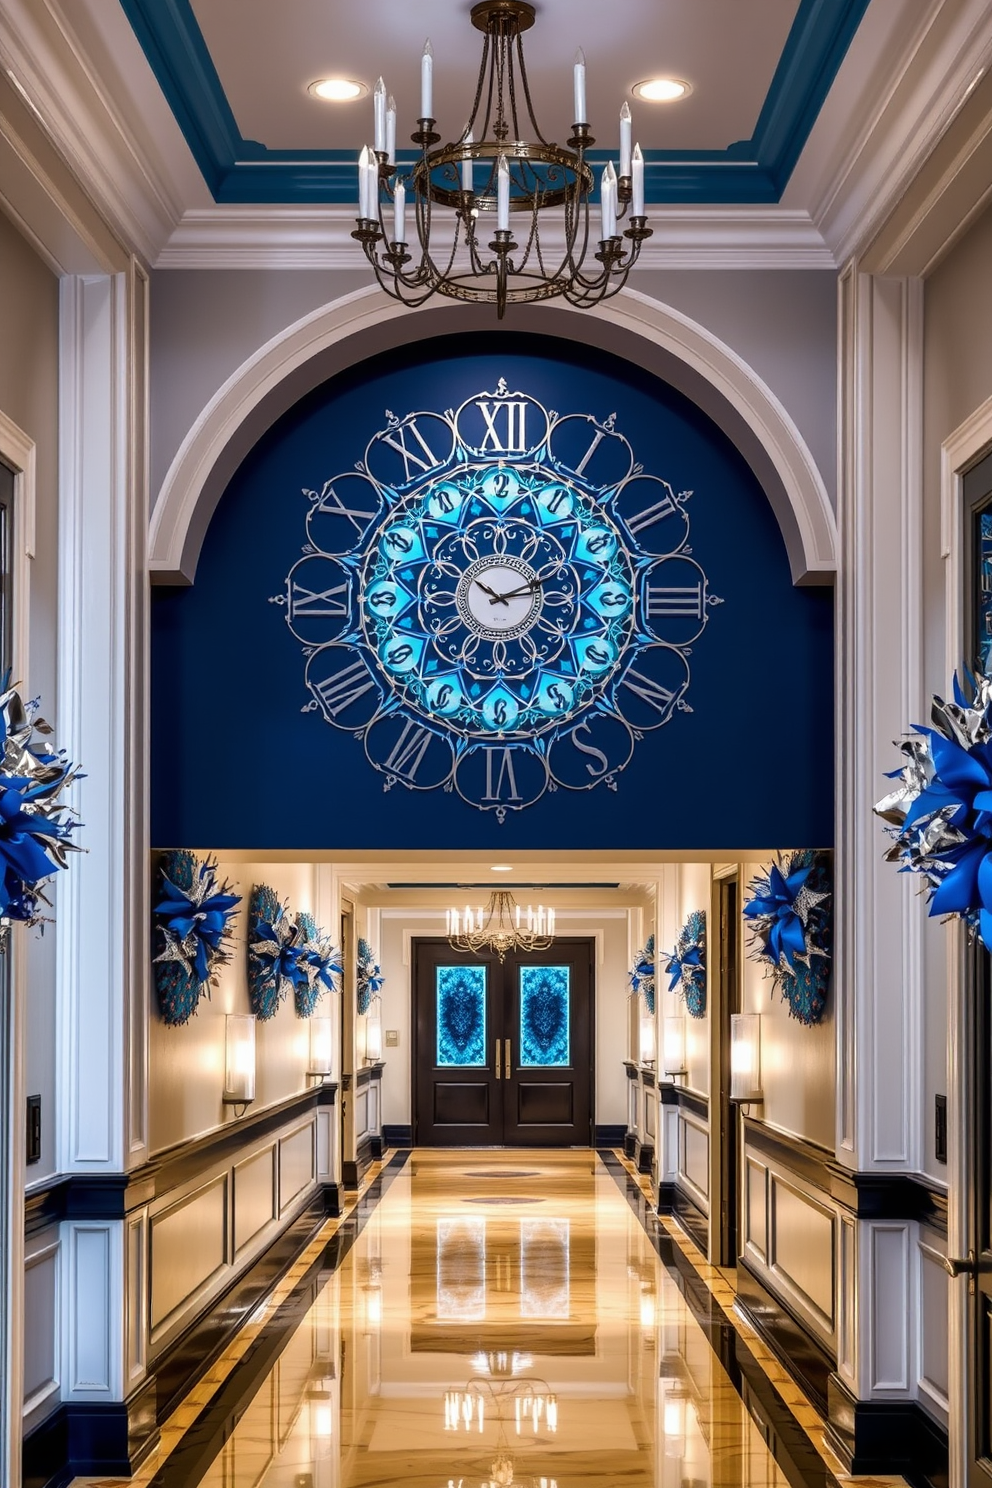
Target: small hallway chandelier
{"type": "Point", "coordinates": [492, 174]}
{"type": "Point", "coordinates": [502, 926]}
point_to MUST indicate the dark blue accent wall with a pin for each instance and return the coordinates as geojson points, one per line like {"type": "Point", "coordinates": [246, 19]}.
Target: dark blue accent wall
{"type": "Point", "coordinates": [237, 764]}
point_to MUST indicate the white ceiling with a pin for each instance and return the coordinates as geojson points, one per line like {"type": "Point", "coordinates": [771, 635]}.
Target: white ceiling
{"type": "Point", "coordinates": [267, 54]}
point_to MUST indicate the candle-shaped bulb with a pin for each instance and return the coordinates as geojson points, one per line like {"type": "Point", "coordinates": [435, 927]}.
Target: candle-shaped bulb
{"type": "Point", "coordinates": [468, 179]}
{"type": "Point", "coordinates": [427, 81]}
{"type": "Point", "coordinates": [363, 192]}
{"type": "Point", "coordinates": [391, 130]}
{"type": "Point", "coordinates": [608, 200]}
{"type": "Point", "coordinates": [625, 139]}
{"type": "Point", "coordinates": [579, 82]}
{"type": "Point", "coordinates": [379, 115]}
{"type": "Point", "coordinates": [503, 195]}
{"type": "Point", "coordinates": [399, 213]}
{"type": "Point", "coordinates": [637, 183]}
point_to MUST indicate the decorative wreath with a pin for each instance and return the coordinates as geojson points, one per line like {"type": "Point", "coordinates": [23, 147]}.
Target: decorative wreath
{"type": "Point", "coordinates": [940, 816]}
{"type": "Point", "coordinates": [35, 826]}
{"type": "Point", "coordinates": [788, 922]}
{"type": "Point", "coordinates": [687, 965]}
{"type": "Point", "coordinates": [276, 948]}
{"type": "Point", "coordinates": [321, 963]}
{"type": "Point", "coordinates": [190, 933]}
{"type": "Point", "coordinates": [369, 980]}
{"type": "Point", "coordinates": [641, 974]}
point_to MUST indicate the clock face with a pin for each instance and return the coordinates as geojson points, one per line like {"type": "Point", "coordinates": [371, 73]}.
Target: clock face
{"type": "Point", "coordinates": [497, 601]}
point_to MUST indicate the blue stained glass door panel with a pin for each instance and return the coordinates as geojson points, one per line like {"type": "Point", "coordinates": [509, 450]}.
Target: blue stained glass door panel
{"type": "Point", "coordinates": [545, 1016]}
{"type": "Point", "coordinates": [461, 1016]}
{"type": "Point", "coordinates": [983, 589]}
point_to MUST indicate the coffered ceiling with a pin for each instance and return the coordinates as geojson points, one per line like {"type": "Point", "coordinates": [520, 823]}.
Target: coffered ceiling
{"type": "Point", "coordinates": [236, 72]}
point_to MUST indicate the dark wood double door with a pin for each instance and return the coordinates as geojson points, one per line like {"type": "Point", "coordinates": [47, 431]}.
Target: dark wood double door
{"type": "Point", "coordinates": [503, 1051]}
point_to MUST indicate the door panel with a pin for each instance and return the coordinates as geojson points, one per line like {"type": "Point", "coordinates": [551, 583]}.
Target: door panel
{"type": "Point", "coordinates": [457, 1101]}
{"type": "Point", "coordinates": [504, 1053]}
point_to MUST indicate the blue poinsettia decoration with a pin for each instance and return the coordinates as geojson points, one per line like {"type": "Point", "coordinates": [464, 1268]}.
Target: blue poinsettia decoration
{"type": "Point", "coordinates": [35, 827]}
{"type": "Point", "coordinates": [941, 813]}
{"type": "Point", "coordinates": [190, 932]}
{"type": "Point", "coordinates": [788, 918]}
{"type": "Point", "coordinates": [321, 963]}
{"type": "Point", "coordinates": [276, 952]}
{"type": "Point", "coordinates": [687, 965]}
{"type": "Point", "coordinates": [369, 980]}
{"type": "Point", "coordinates": [641, 974]}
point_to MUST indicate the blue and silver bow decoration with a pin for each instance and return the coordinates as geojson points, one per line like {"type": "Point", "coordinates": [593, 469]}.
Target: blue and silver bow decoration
{"type": "Point", "coordinates": [369, 980]}
{"type": "Point", "coordinates": [641, 974]}
{"type": "Point", "coordinates": [276, 952]}
{"type": "Point", "coordinates": [190, 932]}
{"type": "Point", "coordinates": [788, 919]}
{"type": "Point", "coordinates": [941, 813]}
{"type": "Point", "coordinates": [35, 827]}
{"type": "Point", "coordinates": [322, 966]}
{"type": "Point", "coordinates": [687, 965]}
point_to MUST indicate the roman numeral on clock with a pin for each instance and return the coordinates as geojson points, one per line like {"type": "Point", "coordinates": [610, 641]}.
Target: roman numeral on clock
{"type": "Point", "coordinates": [507, 436]}
{"type": "Point", "coordinates": [407, 754]}
{"type": "Point", "coordinates": [495, 782]}
{"type": "Point", "coordinates": [344, 688]}
{"type": "Point", "coordinates": [651, 692]}
{"type": "Point", "coordinates": [664, 603]}
{"type": "Point", "coordinates": [640, 521]}
{"type": "Point", "coordinates": [320, 604]}
{"type": "Point", "coordinates": [397, 440]}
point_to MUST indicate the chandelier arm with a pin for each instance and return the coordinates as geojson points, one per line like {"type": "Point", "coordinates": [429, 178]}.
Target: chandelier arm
{"type": "Point", "coordinates": [526, 87]}
{"type": "Point", "coordinates": [511, 86]}
{"type": "Point", "coordinates": [483, 68]}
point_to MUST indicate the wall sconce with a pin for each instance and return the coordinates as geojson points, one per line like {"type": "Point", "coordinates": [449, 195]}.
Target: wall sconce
{"type": "Point", "coordinates": [647, 1049]}
{"type": "Point", "coordinates": [673, 1045]}
{"type": "Point", "coordinates": [320, 1049]}
{"type": "Point", "coordinates": [239, 1059]}
{"type": "Point", "coordinates": [373, 1031]}
{"type": "Point", "coordinates": [673, 1420]}
{"type": "Point", "coordinates": [745, 1057]}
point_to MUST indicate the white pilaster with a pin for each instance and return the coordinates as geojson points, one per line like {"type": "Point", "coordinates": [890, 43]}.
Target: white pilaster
{"type": "Point", "coordinates": [101, 723]}
{"type": "Point", "coordinates": [878, 967]}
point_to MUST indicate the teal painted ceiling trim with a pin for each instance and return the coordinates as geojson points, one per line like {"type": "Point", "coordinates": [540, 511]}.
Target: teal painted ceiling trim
{"type": "Point", "coordinates": [238, 170]}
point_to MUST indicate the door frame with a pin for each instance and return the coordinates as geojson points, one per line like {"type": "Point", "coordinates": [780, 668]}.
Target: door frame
{"type": "Point", "coordinates": [968, 444]}
{"type": "Point", "coordinates": [590, 939]}
{"type": "Point", "coordinates": [725, 1125]}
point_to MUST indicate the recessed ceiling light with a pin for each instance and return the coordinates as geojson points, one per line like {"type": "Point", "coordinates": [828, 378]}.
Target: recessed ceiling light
{"type": "Point", "coordinates": [501, 868]}
{"type": "Point", "coordinates": [337, 90]}
{"type": "Point", "coordinates": [661, 90]}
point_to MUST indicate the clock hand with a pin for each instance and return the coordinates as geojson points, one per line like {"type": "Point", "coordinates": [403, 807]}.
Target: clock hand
{"type": "Point", "coordinates": [494, 597]}
{"type": "Point", "coordinates": [530, 588]}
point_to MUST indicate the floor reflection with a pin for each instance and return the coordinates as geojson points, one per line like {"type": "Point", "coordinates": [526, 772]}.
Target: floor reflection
{"type": "Point", "coordinates": [539, 1344]}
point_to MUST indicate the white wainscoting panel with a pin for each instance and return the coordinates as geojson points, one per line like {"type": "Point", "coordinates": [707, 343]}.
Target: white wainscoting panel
{"type": "Point", "coordinates": [254, 1197]}
{"type": "Point", "coordinates": [42, 1305]}
{"type": "Point", "coordinates": [668, 1160]}
{"type": "Point", "coordinates": [136, 1262]}
{"type": "Point", "coordinates": [847, 1285]}
{"type": "Point", "coordinates": [932, 1321]}
{"type": "Point", "coordinates": [92, 1342]}
{"type": "Point", "coordinates": [189, 1249]}
{"type": "Point", "coordinates": [326, 1123]}
{"type": "Point", "coordinates": [362, 1112]}
{"type": "Point", "coordinates": [892, 1295]}
{"type": "Point", "coordinates": [802, 1249]}
{"type": "Point", "coordinates": [297, 1164]}
{"type": "Point", "coordinates": [694, 1158]}
{"type": "Point", "coordinates": [756, 1209]}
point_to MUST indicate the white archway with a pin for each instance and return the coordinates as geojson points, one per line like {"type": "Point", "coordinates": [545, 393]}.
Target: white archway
{"type": "Point", "coordinates": [360, 325]}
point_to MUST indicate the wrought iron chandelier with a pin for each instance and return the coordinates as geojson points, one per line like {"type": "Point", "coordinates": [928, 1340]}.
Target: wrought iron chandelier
{"type": "Point", "coordinates": [490, 173]}
{"type": "Point", "coordinates": [502, 926]}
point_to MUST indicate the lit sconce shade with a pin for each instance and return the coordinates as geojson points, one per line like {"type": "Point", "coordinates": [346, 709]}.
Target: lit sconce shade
{"type": "Point", "coordinates": [673, 1422]}
{"type": "Point", "coordinates": [745, 1057]}
{"type": "Point", "coordinates": [373, 1031]}
{"type": "Point", "coordinates": [239, 1059]}
{"type": "Point", "coordinates": [673, 1045]}
{"type": "Point", "coordinates": [320, 1048]}
{"type": "Point", "coordinates": [647, 1051]}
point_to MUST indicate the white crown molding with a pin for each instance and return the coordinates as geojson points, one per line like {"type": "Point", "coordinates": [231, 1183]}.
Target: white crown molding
{"type": "Point", "coordinates": [234, 237]}
{"type": "Point", "coordinates": [102, 134]}
{"type": "Point", "coordinates": [906, 76]}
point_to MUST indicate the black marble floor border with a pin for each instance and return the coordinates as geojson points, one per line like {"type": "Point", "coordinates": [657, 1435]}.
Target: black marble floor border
{"type": "Point", "coordinates": [784, 1436]}
{"type": "Point", "coordinates": [202, 1443]}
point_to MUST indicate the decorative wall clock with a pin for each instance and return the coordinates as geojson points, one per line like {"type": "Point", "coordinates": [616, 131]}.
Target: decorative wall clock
{"type": "Point", "coordinates": [497, 601]}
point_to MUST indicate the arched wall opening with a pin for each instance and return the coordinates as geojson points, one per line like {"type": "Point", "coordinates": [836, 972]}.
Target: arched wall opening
{"type": "Point", "coordinates": [703, 720]}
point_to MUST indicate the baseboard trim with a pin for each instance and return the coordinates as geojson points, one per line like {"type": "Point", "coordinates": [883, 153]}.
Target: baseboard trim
{"type": "Point", "coordinates": [629, 1143]}
{"type": "Point", "coordinates": [676, 1202]}
{"type": "Point", "coordinates": [807, 1361]}
{"type": "Point", "coordinates": [610, 1136]}
{"type": "Point", "coordinates": [645, 1157]}
{"type": "Point", "coordinates": [353, 1171]}
{"type": "Point", "coordinates": [885, 1437]}
{"type": "Point", "coordinates": [401, 1136]}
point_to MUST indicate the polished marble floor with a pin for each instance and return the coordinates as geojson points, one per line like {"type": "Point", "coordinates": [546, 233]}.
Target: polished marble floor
{"type": "Point", "coordinates": [488, 1319]}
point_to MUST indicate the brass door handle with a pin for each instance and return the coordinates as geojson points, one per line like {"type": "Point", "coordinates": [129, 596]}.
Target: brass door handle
{"type": "Point", "coordinates": [957, 1266]}
{"type": "Point", "coordinates": [498, 1075]}
{"type": "Point", "coordinates": [506, 1057]}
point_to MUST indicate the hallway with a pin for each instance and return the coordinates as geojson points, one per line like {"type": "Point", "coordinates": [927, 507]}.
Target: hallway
{"type": "Point", "coordinates": [494, 1317]}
